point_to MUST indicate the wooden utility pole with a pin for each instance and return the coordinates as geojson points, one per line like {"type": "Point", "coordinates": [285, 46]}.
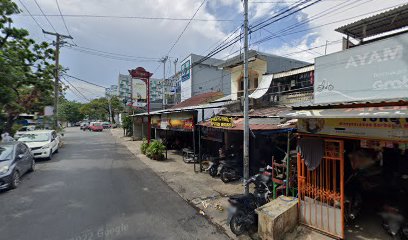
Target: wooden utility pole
{"type": "Point", "coordinates": [58, 42]}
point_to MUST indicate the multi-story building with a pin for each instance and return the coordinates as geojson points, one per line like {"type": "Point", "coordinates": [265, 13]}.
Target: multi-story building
{"type": "Point", "coordinates": [201, 76]}
{"type": "Point", "coordinates": [261, 68]}
{"type": "Point", "coordinates": [113, 90]}
{"type": "Point", "coordinates": [124, 87]}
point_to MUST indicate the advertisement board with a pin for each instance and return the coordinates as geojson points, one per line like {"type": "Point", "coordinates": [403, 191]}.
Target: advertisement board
{"type": "Point", "coordinates": [377, 70]}
{"type": "Point", "coordinates": [139, 92]}
{"type": "Point", "coordinates": [375, 128]}
{"type": "Point", "coordinates": [186, 83]}
{"type": "Point", "coordinates": [176, 121]}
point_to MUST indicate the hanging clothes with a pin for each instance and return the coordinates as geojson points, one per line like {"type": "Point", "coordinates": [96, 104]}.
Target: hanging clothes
{"type": "Point", "coordinates": [312, 151]}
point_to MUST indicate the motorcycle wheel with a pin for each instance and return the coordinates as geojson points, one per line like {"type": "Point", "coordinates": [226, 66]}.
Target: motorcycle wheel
{"type": "Point", "coordinates": [224, 177]}
{"type": "Point", "coordinates": [237, 223]}
{"type": "Point", "coordinates": [212, 171]}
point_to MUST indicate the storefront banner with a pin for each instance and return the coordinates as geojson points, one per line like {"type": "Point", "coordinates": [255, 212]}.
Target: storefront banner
{"type": "Point", "coordinates": [222, 121]}
{"type": "Point", "coordinates": [376, 70]}
{"type": "Point", "coordinates": [368, 112]}
{"type": "Point", "coordinates": [175, 121]}
{"type": "Point", "coordinates": [376, 128]}
{"type": "Point", "coordinates": [155, 121]}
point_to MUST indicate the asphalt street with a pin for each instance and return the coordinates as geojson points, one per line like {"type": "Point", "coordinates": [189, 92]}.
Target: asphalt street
{"type": "Point", "coordinates": [94, 188]}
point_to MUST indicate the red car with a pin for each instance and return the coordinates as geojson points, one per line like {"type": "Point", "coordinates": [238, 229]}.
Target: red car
{"type": "Point", "coordinates": [95, 127]}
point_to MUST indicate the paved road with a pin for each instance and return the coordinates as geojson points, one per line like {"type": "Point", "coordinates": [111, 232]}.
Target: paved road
{"type": "Point", "coordinates": [94, 188]}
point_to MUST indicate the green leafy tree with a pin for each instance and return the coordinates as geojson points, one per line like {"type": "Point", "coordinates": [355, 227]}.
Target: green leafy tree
{"type": "Point", "coordinates": [26, 73]}
{"type": "Point", "coordinates": [69, 111]}
{"type": "Point", "coordinates": [99, 108]}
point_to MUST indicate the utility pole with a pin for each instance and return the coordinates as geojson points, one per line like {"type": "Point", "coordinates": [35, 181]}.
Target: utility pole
{"type": "Point", "coordinates": [246, 100]}
{"type": "Point", "coordinates": [164, 60]}
{"type": "Point", "coordinates": [58, 42]}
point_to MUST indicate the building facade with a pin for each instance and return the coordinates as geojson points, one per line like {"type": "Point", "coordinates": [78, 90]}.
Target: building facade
{"type": "Point", "coordinates": [199, 76]}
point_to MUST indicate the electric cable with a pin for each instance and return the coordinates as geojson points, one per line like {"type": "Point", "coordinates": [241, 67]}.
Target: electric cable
{"type": "Point", "coordinates": [49, 22]}
{"type": "Point", "coordinates": [28, 11]}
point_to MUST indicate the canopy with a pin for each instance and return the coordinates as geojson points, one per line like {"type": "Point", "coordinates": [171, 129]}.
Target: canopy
{"type": "Point", "coordinates": [360, 112]}
{"type": "Point", "coordinates": [262, 87]}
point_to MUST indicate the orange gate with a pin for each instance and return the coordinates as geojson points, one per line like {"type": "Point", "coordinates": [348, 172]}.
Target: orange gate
{"type": "Point", "coordinates": [321, 191]}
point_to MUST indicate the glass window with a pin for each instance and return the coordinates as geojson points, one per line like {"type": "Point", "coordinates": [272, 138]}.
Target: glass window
{"type": "Point", "coordinates": [6, 152]}
{"type": "Point", "coordinates": [35, 137]}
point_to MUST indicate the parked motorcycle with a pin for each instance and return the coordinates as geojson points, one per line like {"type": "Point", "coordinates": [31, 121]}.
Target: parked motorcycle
{"type": "Point", "coordinates": [231, 169]}
{"type": "Point", "coordinates": [241, 214]}
{"type": "Point", "coordinates": [213, 167]}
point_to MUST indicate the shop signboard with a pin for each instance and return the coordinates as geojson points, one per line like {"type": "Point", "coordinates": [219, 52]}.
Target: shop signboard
{"type": "Point", "coordinates": [174, 121]}
{"type": "Point", "coordinates": [186, 82]}
{"type": "Point", "coordinates": [375, 128]}
{"type": "Point", "coordinates": [222, 121]}
{"type": "Point", "coordinates": [155, 121]}
{"type": "Point", "coordinates": [139, 92]}
{"type": "Point", "coordinates": [377, 70]}
{"type": "Point", "coordinates": [181, 121]}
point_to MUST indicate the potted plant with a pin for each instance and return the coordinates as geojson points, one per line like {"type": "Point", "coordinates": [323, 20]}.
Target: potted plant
{"type": "Point", "coordinates": [156, 150]}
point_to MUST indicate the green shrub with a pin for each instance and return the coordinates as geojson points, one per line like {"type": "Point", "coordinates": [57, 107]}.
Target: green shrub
{"type": "Point", "coordinates": [156, 150]}
{"type": "Point", "coordinates": [144, 146]}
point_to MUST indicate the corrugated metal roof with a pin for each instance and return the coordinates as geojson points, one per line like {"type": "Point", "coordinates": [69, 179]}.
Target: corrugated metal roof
{"type": "Point", "coordinates": [190, 108]}
{"type": "Point", "coordinates": [199, 99]}
{"type": "Point", "coordinates": [262, 112]}
{"type": "Point", "coordinates": [384, 22]}
{"type": "Point", "coordinates": [294, 71]}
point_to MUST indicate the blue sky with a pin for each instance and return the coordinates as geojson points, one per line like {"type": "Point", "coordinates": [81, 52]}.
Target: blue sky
{"type": "Point", "coordinates": [152, 39]}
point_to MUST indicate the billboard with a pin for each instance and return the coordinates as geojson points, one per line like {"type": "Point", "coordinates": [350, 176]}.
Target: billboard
{"type": "Point", "coordinates": [186, 84]}
{"type": "Point", "coordinates": [375, 128]}
{"type": "Point", "coordinates": [139, 95]}
{"type": "Point", "coordinates": [377, 70]}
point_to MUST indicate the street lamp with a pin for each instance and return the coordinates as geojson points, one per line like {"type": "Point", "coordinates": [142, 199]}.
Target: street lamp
{"type": "Point", "coordinates": [142, 74]}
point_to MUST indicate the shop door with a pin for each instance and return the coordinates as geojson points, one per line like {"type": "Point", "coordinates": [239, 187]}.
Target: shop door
{"type": "Point", "coordinates": [321, 191]}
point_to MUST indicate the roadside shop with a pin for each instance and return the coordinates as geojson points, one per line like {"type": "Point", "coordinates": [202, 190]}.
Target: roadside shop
{"type": "Point", "coordinates": [271, 137]}
{"type": "Point", "coordinates": [353, 168]}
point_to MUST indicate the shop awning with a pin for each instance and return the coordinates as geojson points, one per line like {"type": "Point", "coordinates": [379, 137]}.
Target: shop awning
{"type": "Point", "coordinates": [360, 112]}
{"type": "Point", "coordinates": [262, 87]}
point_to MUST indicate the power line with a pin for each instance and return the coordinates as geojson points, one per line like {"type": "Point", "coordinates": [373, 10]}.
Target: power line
{"type": "Point", "coordinates": [45, 15]}
{"type": "Point", "coordinates": [79, 79]}
{"type": "Point", "coordinates": [131, 17]}
{"type": "Point", "coordinates": [76, 89]}
{"type": "Point", "coordinates": [185, 28]}
{"type": "Point", "coordinates": [115, 54]}
{"type": "Point", "coordinates": [111, 56]}
{"type": "Point", "coordinates": [63, 20]}
{"type": "Point", "coordinates": [24, 6]}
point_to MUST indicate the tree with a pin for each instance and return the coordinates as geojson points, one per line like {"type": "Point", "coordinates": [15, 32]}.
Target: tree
{"type": "Point", "coordinates": [99, 108]}
{"type": "Point", "coordinates": [26, 74]}
{"type": "Point", "coordinates": [69, 111]}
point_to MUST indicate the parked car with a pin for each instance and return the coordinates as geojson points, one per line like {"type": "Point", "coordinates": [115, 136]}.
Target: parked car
{"type": "Point", "coordinates": [24, 130]}
{"type": "Point", "coordinates": [95, 127]}
{"type": "Point", "coordinates": [77, 124]}
{"type": "Point", "coordinates": [84, 126]}
{"type": "Point", "coordinates": [15, 160]}
{"type": "Point", "coordinates": [106, 125]}
{"type": "Point", "coordinates": [43, 143]}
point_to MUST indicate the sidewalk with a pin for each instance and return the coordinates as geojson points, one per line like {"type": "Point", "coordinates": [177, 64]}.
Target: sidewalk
{"type": "Point", "coordinates": [207, 194]}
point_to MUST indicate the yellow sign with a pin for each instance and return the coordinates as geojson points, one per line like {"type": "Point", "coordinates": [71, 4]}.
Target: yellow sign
{"type": "Point", "coordinates": [376, 128]}
{"type": "Point", "coordinates": [221, 121]}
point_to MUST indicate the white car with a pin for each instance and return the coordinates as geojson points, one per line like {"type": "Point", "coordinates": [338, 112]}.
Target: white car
{"type": "Point", "coordinates": [43, 143]}
{"type": "Point", "coordinates": [24, 130]}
